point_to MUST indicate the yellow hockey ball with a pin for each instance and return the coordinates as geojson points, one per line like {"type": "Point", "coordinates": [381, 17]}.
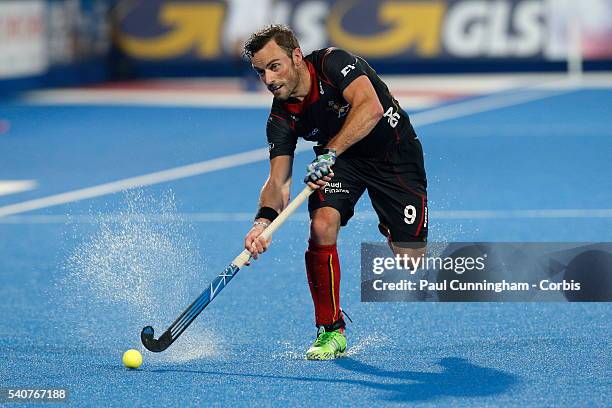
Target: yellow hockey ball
{"type": "Point", "coordinates": [132, 358]}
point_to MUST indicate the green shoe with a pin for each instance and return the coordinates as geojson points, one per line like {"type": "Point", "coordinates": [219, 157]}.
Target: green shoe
{"type": "Point", "coordinates": [327, 346]}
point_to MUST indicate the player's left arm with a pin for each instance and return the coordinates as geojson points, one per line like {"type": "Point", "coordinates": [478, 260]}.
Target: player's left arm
{"type": "Point", "coordinates": [347, 73]}
{"type": "Point", "coordinates": [366, 111]}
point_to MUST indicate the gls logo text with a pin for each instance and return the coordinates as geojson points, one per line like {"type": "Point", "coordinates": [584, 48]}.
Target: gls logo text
{"type": "Point", "coordinates": [459, 28]}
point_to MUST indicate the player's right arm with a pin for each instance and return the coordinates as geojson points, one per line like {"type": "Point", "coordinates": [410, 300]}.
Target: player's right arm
{"type": "Point", "coordinates": [274, 195]}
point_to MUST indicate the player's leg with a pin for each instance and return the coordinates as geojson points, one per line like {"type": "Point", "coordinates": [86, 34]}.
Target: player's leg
{"type": "Point", "coordinates": [398, 190]}
{"type": "Point", "coordinates": [329, 208]}
{"type": "Point", "coordinates": [409, 251]}
{"type": "Point", "coordinates": [323, 271]}
{"type": "Point", "coordinates": [403, 221]}
{"type": "Point", "coordinates": [323, 268]}
{"type": "Point", "coordinates": [324, 225]}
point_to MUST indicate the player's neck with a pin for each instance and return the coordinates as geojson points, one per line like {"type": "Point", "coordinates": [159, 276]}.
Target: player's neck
{"type": "Point", "coordinates": [304, 84]}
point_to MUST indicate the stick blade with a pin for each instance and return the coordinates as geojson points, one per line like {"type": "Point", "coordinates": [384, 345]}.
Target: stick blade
{"type": "Point", "coordinates": [147, 336]}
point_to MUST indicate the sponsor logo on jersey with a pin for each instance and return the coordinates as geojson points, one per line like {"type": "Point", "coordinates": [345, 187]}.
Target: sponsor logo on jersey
{"type": "Point", "coordinates": [270, 146]}
{"type": "Point", "coordinates": [341, 110]}
{"type": "Point", "coordinates": [321, 91]}
{"type": "Point", "coordinates": [335, 188]}
{"type": "Point", "coordinates": [392, 117]}
{"type": "Point", "coordinates": [345, 71]}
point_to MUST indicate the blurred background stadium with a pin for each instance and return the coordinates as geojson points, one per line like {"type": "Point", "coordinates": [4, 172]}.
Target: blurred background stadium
{"type": "Point", "coordinates": [56, 43]}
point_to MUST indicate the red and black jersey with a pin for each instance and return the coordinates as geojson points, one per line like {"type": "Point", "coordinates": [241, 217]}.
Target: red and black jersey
{"type": "Point", "coordinates": [320, 116]}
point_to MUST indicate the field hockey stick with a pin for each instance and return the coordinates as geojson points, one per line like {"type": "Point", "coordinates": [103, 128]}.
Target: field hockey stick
{"type": "Point", "coordinates": [184, 320]}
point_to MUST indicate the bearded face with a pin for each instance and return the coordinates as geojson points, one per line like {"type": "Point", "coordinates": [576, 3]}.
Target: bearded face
{"type": "Point", "coordinates": [277, 70]}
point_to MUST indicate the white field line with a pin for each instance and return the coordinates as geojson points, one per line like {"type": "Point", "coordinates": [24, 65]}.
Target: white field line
{"type": "Point", "coordinates": [16, 186]}
{"type": "Point", "coordinates": [436, 115]}
{"type": "Point", "coordinates": [479, 105]}
{"type": "Point", "coordinates": [407, 88]}
{"type": "Point", "coordinates": [148, 98]}
{"type": "Point", "coordinates": [158, 177]}
{"type": "Point", "coordinates": [300, 216]}
{"type": "Point", "coordinates": [181, 99]}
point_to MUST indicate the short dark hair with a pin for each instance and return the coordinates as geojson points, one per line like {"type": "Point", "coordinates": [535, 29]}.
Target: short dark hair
{"type": "Point", "coordinates": [281, 34]}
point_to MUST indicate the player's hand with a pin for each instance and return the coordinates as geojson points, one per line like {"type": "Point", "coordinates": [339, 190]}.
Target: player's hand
{"type": "Point", "coordinates": [319, 172]}
{"type": "Point", "coordinates": [254, 243]}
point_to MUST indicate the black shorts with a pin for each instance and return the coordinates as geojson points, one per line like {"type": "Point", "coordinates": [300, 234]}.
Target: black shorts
{"type": "Point", "coordinates": [397, 187]}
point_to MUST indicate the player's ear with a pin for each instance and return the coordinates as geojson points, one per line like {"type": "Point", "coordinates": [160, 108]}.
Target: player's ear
{"type": "Point", "coordinates": [297, 56]}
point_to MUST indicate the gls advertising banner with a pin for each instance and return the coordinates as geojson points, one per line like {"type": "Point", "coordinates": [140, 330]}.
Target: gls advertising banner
{"type": "Point", "coordinates": [393, 30]}
{"type": "Point", "coordinates": [22, 38]}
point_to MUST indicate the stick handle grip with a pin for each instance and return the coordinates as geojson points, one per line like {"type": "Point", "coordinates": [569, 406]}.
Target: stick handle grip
{"type": "Point", "coordinates": [245, 255]}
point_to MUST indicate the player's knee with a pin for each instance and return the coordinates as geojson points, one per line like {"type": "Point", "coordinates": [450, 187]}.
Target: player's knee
{"type": "Point", "coordinates": [409, 254]}
{"type": "Point", "coordinates": [416, 250]}
{"type": "Point", "coordinates": [324, 226]}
